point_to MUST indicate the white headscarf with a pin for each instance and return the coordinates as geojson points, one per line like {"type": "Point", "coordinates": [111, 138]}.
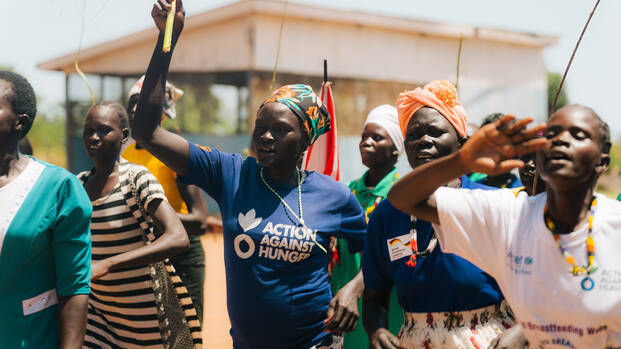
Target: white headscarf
{"type": "Point", "coordinates": [386, 117]}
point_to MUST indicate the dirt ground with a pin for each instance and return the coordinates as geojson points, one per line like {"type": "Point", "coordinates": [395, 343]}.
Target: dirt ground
{"type": "Point", "coordinates": [216, 323]}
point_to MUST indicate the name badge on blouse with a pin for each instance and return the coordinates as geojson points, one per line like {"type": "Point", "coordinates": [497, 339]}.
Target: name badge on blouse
{"type": "Point", "coordinates": [399, 247]}
{"type": "Point", "coordinates": [40, 302]}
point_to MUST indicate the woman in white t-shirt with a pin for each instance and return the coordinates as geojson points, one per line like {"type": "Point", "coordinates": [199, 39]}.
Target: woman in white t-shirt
{"type": "Point", "coordinates": [554, 255]}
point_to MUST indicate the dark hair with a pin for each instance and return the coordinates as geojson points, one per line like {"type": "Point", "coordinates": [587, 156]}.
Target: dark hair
{"type": "Point", "coordinates": [491, 118]}
{"type": "Point", "coordinates": [116, 108]}
{"type": "Point", "coordinates": [605, 140]}
{"type": "Point", "coordinates": [604, 130]}
{"type": "Point", "coordinates": [22, 97]}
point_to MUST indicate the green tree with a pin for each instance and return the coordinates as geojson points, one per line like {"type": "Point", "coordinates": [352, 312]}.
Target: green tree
{"type": "Point", "coordinates": [554, 80]}
{"type": "Point", "coordinates": [198, 110]}
{"type": "Point", "coordinates": [47, 137]}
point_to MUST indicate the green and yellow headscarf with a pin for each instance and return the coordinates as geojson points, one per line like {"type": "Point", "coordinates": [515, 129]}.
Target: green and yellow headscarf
{"type": "Point", "coordinates": [305, 104]}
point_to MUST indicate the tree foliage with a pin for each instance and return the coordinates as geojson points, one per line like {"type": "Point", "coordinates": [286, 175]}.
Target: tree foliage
{"type": "Point", "coordinates": [554, 80]}
{"type": "Point", "coordinates": [197, 111]}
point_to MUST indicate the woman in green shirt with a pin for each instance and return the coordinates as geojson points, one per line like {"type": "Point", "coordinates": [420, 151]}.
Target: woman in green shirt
{"type": "Point", "coordinates": [380, 146]}
{"type": "Point", "coordinates": [45, 242]}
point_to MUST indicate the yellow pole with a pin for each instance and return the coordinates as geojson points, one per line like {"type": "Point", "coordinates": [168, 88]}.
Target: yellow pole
{"type": "Point", "coordinates": [170, 20]}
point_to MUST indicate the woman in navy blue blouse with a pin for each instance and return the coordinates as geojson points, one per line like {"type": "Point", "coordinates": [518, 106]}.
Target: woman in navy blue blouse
{"type": "Point", "coordinates": [447, 301]}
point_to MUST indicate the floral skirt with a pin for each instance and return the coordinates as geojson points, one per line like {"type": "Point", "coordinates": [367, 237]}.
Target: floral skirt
{"type": "Point", "coordinates": [471, 329]}
{"type": "Point", "coordinates": [334, 341]}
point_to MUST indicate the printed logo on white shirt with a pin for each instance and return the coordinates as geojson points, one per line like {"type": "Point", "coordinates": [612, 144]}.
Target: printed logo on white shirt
{"type": "Point", "coordinates": [519, 264]}
{"type": "Point", "coordinates": [556, 308]}
{"type": "Point", "coordinates": [610, 280]}
{"type": "Point", "coordinates": [399, 247]}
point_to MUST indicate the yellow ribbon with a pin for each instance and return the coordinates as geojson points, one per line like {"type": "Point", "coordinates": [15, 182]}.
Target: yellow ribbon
{"type": "Point", "coordinates": [77, 55]}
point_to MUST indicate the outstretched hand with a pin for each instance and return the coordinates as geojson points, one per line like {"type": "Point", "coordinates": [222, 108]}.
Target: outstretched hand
{"type": "Point", "coordinates": [160, 12]}
{"type": "Point", "coordinates": [494, 147]}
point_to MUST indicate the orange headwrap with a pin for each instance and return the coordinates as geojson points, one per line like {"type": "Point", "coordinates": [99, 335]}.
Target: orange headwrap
{"type": "Point", "coordinates": [440, 95]}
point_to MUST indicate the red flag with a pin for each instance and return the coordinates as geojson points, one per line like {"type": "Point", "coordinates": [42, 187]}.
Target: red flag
{"type": "Point", "coordinates": [323, 155]}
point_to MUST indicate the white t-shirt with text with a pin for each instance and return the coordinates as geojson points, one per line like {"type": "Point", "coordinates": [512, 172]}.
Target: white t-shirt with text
{"type": "Point", "coordinates": [506, 236]}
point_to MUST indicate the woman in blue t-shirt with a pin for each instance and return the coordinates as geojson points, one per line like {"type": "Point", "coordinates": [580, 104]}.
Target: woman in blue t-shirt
{"type": "Point", "coordinates": [447, 302]}
{"type": "Point", "coordinates": [277, 220]}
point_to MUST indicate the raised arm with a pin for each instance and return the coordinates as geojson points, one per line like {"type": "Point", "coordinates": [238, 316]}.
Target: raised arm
{"type": "Point", "coordinates": [490, 150]}
{"type": "Point", "coordinates": [168, 147]}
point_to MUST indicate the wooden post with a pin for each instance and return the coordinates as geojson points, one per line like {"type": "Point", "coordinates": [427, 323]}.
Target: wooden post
{"type": "Point", "coordinates": [325, 70]}
{"type": "Point", "coordinates": [124, 95]}
{"type": "Point", "coordinates": [240, 118]}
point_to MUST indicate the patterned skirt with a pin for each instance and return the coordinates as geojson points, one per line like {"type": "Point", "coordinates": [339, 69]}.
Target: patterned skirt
{"type": "Point", "coordinates": [471, 329]}
{"type": "Point", "coordinates": [334, 341]}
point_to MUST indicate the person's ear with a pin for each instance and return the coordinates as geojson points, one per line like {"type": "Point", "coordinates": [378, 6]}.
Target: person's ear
{"type": "Point", "coordinates": [462, 141]}
{"type": "Point", "coordinates": [394, 152]}
{"type": "Point", "coordinates": [125, 132]}
{"type": "Point", "coordinates": [22, 124]}
{"type": "Point", "coordinates": [602, 166]}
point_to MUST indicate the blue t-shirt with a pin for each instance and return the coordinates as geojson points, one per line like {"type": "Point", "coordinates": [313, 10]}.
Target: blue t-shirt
{"type": "Point", "coordinates": [439, 282]}
{"type": "Point", "coordinates": [277, 279]}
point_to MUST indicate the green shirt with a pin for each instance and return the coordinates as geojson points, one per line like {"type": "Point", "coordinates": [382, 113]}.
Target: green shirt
{"type": "Point", "coordinates": [46, 250]}
{"type": "Point", "coordinates": [349, 264]}
{"type": "Point", "coordinates": [370, 197]}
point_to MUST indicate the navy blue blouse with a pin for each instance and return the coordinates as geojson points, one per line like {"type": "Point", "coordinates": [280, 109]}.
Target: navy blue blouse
{"type": "Point", "coordinates": [439, 282]}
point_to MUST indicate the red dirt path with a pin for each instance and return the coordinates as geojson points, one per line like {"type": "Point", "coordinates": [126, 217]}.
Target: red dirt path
{"type": "Point", "coordinates": [216, 323]}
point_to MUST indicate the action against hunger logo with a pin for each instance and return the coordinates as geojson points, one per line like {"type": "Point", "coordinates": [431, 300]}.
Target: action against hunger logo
{"type": "Point", "coordinates": [246, 222]}
{"type": "Point", "coordinates": [284, 242]}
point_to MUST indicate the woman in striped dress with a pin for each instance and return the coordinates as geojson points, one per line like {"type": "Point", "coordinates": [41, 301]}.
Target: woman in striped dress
{"type": "Point", "coordinates": [136, 301]}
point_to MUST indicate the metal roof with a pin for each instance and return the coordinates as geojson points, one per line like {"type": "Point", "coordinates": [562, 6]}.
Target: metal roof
{"type": "Point", "coordinates": [295, 12]}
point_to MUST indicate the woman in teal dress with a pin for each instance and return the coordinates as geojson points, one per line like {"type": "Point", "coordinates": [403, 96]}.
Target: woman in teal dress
{"type": "Point", "coordinates": [380, 146]}
{"type": "Point", "coordinates": [45, 255]}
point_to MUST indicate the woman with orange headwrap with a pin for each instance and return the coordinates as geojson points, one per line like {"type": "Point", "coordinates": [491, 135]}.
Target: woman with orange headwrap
{"type": "Point", "coordinates": [447, 302]}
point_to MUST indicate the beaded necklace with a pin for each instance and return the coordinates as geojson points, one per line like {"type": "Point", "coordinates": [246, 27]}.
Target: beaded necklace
{"type": "Point", "coordinates": [414, 241]}
{"type": "Point", "coordinates": [587, 283]}
{"type": "Point", "coordinates": [414, 244]}
{"type": "Point", "coordinates": [300, 218]}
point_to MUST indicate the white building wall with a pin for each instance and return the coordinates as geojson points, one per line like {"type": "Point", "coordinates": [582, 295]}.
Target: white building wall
{"type": "Point", "coordinates": [495, 77]}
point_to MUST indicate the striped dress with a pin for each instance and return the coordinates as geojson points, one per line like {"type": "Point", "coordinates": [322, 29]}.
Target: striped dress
{"type": "Point", "coordinates": [122, 309]}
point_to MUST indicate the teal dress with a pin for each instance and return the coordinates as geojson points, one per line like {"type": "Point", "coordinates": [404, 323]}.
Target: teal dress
{"type": "Point", "coordinates": [348, 264]}
{"type": "Point", "coordinates": [45, 253]}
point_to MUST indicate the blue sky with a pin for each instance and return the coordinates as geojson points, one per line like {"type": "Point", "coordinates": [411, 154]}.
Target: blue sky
{"type": "Point", "coordinates": [36, 30]}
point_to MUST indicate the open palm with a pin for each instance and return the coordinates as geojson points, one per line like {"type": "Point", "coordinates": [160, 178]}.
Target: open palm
{"type": "Point", "coordinates": [494, 147]}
